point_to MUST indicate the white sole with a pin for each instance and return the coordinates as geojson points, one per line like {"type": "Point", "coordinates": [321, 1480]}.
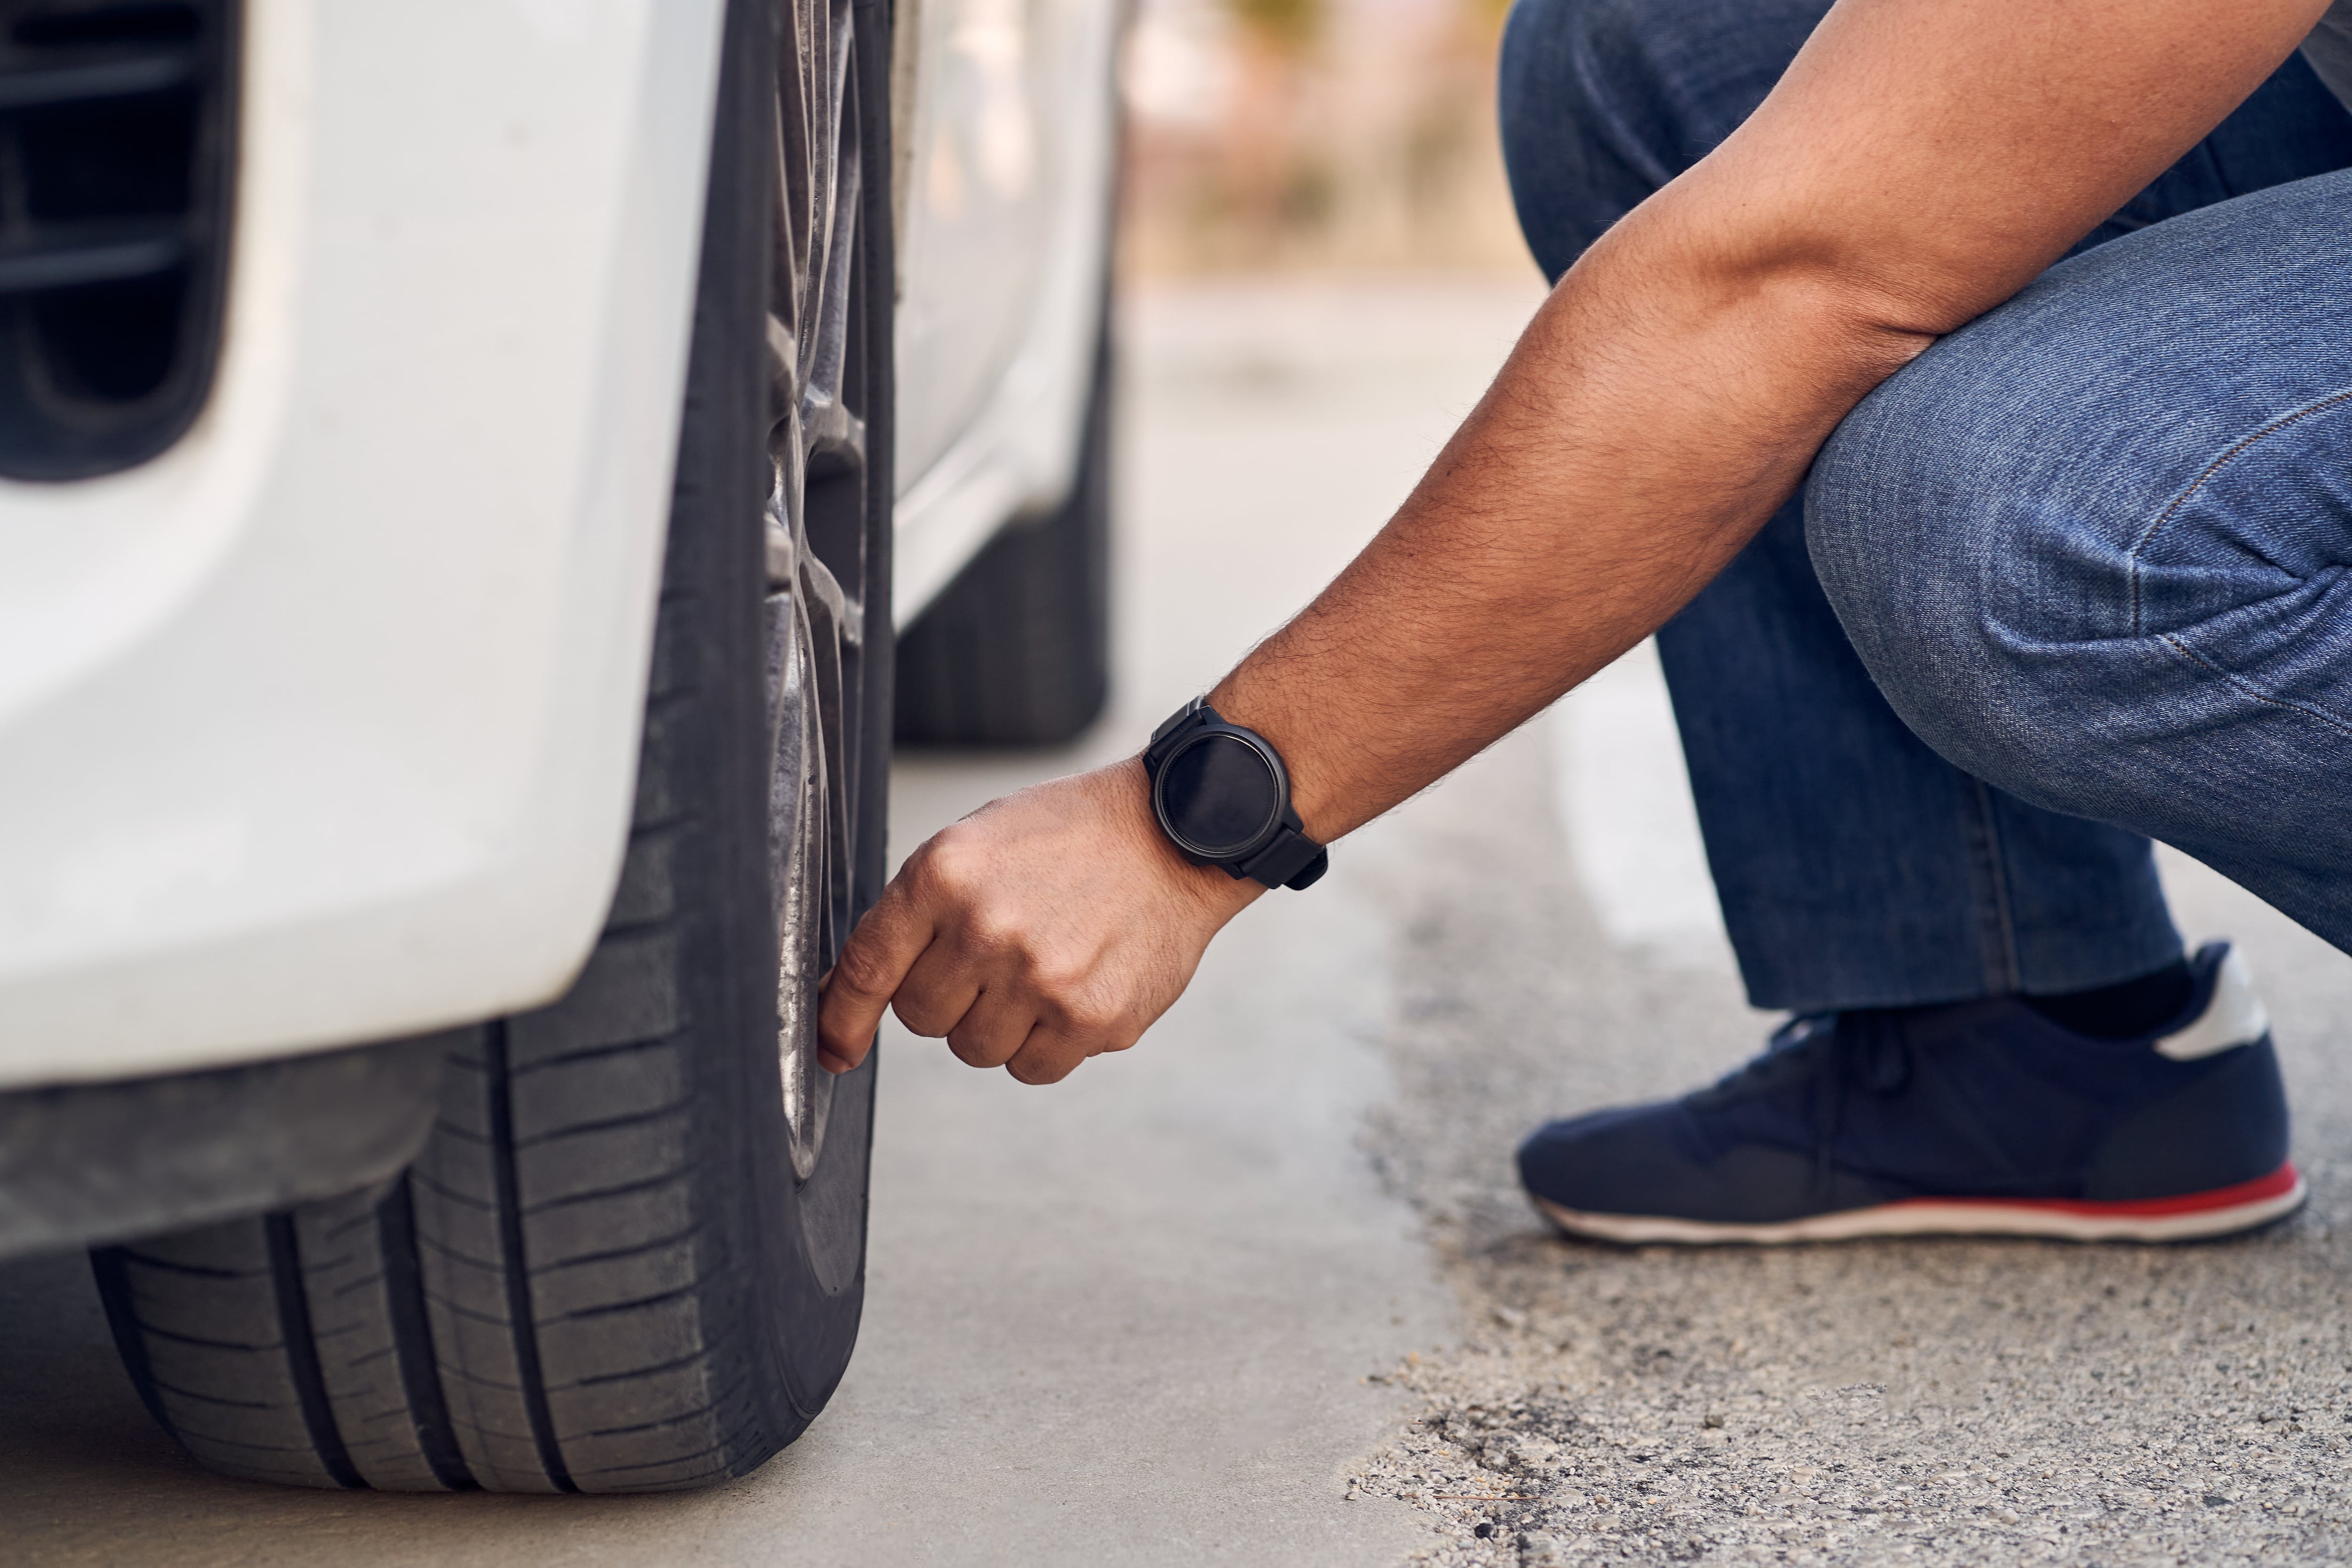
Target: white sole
{"type": "Point", "coordinates": [2185, 1218]}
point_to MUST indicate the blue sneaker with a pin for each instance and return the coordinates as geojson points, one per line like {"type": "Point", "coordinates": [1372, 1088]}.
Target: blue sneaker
{"type": "Point", "coordinates": [1982, 1118]}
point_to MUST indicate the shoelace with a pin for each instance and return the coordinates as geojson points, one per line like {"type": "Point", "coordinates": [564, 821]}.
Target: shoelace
{"type": "Point", "coordinates": [1867, 1049]}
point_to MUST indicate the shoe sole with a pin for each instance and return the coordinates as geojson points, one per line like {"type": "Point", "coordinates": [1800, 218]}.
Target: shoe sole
{"type": "Point", "coordinates": [2192, 1216]}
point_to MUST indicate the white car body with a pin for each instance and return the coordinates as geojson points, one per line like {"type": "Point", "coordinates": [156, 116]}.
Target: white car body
{"type": "Point", "coordinates": [321, 726]}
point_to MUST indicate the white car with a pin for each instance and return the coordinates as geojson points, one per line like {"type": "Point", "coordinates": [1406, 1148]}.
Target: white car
{"type": "Point", "coordinates": [458, 501]}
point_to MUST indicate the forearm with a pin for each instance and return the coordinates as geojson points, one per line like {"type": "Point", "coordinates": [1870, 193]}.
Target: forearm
{"type": "Point", "coordinates": [1650, 419]}
{"type": "Point", "coordinates": [1920, 162]}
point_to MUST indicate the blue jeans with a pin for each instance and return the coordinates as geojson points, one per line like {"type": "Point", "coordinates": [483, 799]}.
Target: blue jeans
{"type": "Point", "coordinates": [2075, 577]}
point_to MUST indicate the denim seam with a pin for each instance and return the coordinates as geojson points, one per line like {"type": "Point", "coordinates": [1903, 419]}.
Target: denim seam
{"type": "Point", "coordinates": [1996, 924]}
{"type": "Point", "coordinates": [2177, 646]}
{"type": "Point", "coordinates": [2148, 534]}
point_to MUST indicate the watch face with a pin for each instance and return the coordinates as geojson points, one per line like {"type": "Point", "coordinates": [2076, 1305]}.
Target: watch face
{"type": "Point", "coordinates": [1218, 797]}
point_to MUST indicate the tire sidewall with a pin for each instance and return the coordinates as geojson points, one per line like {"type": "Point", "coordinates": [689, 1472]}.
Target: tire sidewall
{"type": "Point", "coordinates": [806, 1331]}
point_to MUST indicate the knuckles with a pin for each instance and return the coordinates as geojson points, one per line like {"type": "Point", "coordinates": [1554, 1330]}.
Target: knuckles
{"type": "Point", "coordinates": [994, 926]}
{"type": "Point", "coordinates": [921, 1017]}
{"type": "Point", "coordinates": [1062, 979]}
{"type": "Point", "coordinates": [1084, 1012]}
{"type": "Point", "coordinates": [1037, 1071]}
{"type": "Point", "coordinates": [952, 865]}
{"type": "Point", "coordinates": [979, 1053]}
{"type": "Point", "coordinates": [973, 1056]}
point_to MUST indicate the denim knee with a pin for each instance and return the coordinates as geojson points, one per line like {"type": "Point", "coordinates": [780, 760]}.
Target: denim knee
{"type": "Point", "coordinates": [2089, 545]}
{"type": "Point", "coordinates": [1603, 102]}
{"type": "Point", "coordinates": [1905, 535]}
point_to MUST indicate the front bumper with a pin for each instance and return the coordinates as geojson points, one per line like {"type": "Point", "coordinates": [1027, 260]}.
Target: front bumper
{"type": "Point", "coordinates": [321, 726]}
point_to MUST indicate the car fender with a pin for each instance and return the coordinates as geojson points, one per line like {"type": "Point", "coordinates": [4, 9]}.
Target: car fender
{"type": "Point", "coordinates": [321, 726]}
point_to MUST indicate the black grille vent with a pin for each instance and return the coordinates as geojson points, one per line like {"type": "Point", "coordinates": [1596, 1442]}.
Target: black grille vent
{"type": "Point", "coordinates": [117, 134]}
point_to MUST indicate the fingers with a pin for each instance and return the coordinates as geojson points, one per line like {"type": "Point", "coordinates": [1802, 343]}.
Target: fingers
{"type": "Point", "coordinates": [1075, 1019]}
{"type": "Point", "coordinates": [1000, 1002]}
{"type": "Point", "coordinates": [886, 943]}
{"type": "Point", "coordinates": [941, 988]}
{"type": "Point", "coordinates": [1047, 1056]}
{"type": "Point", "coordinates": [1047, 927]}
{"type": "Point", "coordinates": [1051, 1052]}
{"type": "Point", "coordinates": [994, 1029]}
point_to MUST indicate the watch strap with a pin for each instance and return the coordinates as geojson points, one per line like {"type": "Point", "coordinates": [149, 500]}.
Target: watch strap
{"type": "Point", "coordinates": [1175, 720]}
{"type": "Point", "coordinates": [1177, 725]}
{"type": "Point", "coordinates": [1292, 860]}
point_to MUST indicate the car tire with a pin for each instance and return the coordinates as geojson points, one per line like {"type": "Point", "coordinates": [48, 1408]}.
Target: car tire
{"type": "Point", "coordinates": [1016, 650]}
{"type": "Point", "coordinates": [625, 1261]}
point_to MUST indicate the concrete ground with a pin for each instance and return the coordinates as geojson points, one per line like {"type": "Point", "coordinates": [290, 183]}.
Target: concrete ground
{"type": "Point", "coordinates": [1127, 1321]}
{"type": "Point", "coordinates": [1261, 1289]}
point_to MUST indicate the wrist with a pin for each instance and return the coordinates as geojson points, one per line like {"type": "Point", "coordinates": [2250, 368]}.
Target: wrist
{"type": "Point", "coordinates": [1311, 795]}
{"type": "Point", "coordinates": [1210, 890]}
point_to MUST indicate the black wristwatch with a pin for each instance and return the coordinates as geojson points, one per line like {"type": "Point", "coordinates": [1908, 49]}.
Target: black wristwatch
{"type": "Point", "coordinates": [1223, 797]}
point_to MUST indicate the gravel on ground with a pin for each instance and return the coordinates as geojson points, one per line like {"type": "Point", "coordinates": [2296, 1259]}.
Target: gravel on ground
{"type": "Point", "coordinates": [1911, 1401]}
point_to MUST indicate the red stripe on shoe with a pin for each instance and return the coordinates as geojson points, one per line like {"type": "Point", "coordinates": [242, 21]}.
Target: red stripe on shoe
{"type": "Point", "coordinates": [2190, 1216]}
{"type": "Point", "coordinates": [2278, 1183]}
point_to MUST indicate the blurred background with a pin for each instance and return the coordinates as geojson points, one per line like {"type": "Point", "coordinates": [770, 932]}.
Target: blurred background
{"type": "Point", "coordinates": [1316, 135]}
{"type": "Point", "coordinates": [1201, 1302]}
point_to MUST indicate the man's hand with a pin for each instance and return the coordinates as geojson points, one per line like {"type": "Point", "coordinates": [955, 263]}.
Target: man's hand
{"type": "Point", "coordinates": [1042, 930]}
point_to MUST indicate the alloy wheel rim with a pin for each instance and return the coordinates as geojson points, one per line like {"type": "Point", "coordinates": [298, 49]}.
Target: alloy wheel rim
{"type": "Point", "coordinates": [814, 624]}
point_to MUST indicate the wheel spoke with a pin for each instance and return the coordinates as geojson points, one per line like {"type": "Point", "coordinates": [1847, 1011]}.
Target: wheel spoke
{"type": "Point", "coordinates": [834, 438]}
{"type": "Point", "coordinates": [783, 369]}
{"type": "Point", "coordinates": [789, 270]}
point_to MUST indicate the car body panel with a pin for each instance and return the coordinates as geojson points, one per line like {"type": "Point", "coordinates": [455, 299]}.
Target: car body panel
{"type": "Point", "coordinates": [323, 726]}
{"type": "Point", "coordinates": [1007, 213]}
